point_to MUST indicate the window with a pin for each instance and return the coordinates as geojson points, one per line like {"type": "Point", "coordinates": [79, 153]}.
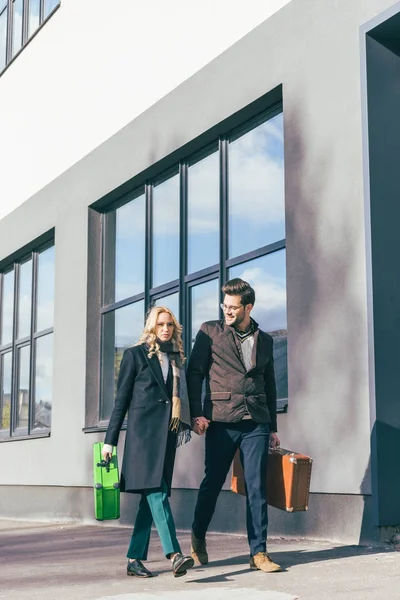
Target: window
{"type": "Point", "coordinates": [19, 20]}
{"type": "Point", "coordinates": [218, 214]}
{"type": "Point", "coordinates": [26, 344]}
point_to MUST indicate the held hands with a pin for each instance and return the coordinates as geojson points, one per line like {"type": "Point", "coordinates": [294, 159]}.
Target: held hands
{"type": "Point", "coordinates": [274, 441]}
{"type": "Point", "coordinates": [200, 425]}
{"type": "Point", "coordinates": [107, 451]}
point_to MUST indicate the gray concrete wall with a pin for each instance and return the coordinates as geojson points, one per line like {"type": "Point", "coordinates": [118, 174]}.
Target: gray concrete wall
{"type": "Point", "coordinates": [311, 48]}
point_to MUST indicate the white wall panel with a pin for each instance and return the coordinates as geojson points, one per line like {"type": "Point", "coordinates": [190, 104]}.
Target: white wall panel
{"type": "Point", "coordinates": [93, 68]}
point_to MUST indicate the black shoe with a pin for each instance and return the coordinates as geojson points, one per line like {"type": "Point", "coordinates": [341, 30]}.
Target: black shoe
{"type": "Point", "coordinates": [181, 564]}
{"type": "Point", "coordinates": [137, 569]}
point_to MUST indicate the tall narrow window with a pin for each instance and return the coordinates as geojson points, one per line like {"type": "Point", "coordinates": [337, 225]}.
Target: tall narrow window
{"type": "Point", "coordinates": [166, 231]}
{"type": "Point", "coordinates": [33, 16]}
{"type": "Point", "coordinates": [125, 251]}
{"type": "Point", "coordinates": [121, 329]}
{"type": "Point", "coordinates": [3, 33]}
{"type": "Point", "coordinates": [203, 213]}
{"type": "Point", "coordinates": [267, 275]}
{"type": "Point", "coordinates": [17, 14]}
{"type": "Point", "coordinates": [171, 301]}
{"type": "Point", "coordinates": [256, 188]}
{"type": "Point", "coordinates": [26, 345]}
{"type": "Point", "coordinates": [204, 303]}
{"type": "Point", "coordinates": [49, 6]}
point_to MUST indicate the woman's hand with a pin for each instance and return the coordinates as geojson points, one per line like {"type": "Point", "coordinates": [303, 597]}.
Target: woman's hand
{"type": "Point", "coordinates": [200, 425]}
{"type": "Point", "coordinates": [107, 451]}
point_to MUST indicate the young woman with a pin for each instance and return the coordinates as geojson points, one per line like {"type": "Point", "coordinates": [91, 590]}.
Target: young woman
{"type": "Point", "coordinates": [152, 388]}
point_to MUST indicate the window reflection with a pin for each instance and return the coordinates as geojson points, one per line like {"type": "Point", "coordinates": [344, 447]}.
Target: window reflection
{"type": "Point", "coordinates": [5, 398]}
{"type": "Point", "coordinates": [24, 299]}
{"type": "Point", "coordinates": [205, 304]}
{"type": "Point", "coordinates": [3, 34]}
{"type": "Point", "coordinates": [171, 302]}
{"type": "Point", "coordinates": [267, 275]}
{"type": "Point", "coordinates": [203, 213]}
{"type": "Point", "coordinates": [43, 398]}
{"type": "Point", "coordinates": [256, 188]}
{"type": "Point", "coordinates": [17, 26]}
{"type": "Point", "coordinates": [125, 258]}
{"type": "Point", "coordinates": [45, 290]}
{"type": "Point", "coordinates": [22, 416]}
{"type": "Point", "coordinates": [49, 5]}
{"type": "Point", "coordinates": [121, 329]}
{"type": "Point", "coordinates": [166, 231]}
{"type": "Point", "coordinates": [7, 308]}
{"type": "Point", "coordinates": [33, 16]}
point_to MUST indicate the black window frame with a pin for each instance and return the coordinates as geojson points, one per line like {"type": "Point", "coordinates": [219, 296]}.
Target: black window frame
{"type": "Point", "coordinates": [26, 38]}
{"type": "Point", "coordinates": [13, 263]}
{"type": "Point", "coordinates": [97, 216]}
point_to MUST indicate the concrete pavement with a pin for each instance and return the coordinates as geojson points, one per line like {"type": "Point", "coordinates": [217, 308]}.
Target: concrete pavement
{"type": "Point", "coordinates": [51, 561]}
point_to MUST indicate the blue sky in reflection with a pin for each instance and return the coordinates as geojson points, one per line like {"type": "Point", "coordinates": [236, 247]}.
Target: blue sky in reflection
{"type": "Point", "coordinates": [205, 304]}
{"type": "Point", "coordinates": [130, 249]}
{"type": "Point", "coordinates": [17, 26]}
{"type": "Point", "coordinates": [166, 220]}
{"type": "Point", "coordinates": [33, 22]}
{"type": "Point", "coordinates": [267, 275]}
{"type": "Point", "coordinates": [129, 321]}
{"type": "Point", "coordinates": [3, 36]}
{"type": "Point", "coordinates": [203, 213]}
{"type": "Point", "coordinates": [171, 302]}
{"type": "Point", "coordinates": [256, 188]}
{"type": "Point", "coordinates": [49, 5]}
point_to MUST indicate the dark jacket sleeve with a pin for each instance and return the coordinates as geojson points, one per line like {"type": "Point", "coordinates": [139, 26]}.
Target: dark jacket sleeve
{"type": "Point", "coordinates": [270, 389]}
{"type": "Point", "coordinates": [198, 367]}
{"type": "Point", "coordinates": [126, 379]}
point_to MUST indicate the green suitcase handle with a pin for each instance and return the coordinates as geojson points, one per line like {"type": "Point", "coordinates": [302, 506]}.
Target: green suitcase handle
{"type": "Point", "coordinates": [105, 463]}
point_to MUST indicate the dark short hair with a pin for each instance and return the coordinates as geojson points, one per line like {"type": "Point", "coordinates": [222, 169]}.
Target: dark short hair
{"type": "Point", "coordinates": [238, 287]}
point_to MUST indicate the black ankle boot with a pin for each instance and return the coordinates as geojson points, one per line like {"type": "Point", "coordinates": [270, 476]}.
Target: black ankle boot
{"type": "Point", "coordinates": [137, 569]}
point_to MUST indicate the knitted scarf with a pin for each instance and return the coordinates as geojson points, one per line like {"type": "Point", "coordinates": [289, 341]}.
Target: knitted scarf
{"type": "Point", "coordinates": [180, 417]}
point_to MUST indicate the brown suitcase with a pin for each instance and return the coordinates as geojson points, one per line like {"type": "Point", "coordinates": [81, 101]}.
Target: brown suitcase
{"type": "Point", "coordinates": [288, 479]}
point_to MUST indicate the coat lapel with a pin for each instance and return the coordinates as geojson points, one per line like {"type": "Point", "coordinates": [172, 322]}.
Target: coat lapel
{"type": "Point", "coordinates": [260, 351]}
{"type": "Point", "coordinates": [155, 368]}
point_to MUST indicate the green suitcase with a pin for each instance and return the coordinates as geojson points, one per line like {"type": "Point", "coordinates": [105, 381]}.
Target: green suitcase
{"type": "Point", "coordinates": [106, 485]}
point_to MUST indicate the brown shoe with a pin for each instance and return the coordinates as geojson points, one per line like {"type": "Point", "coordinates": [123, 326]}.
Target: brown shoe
{"type": "Point", "coordinates": [263, 562]}
{"type": "Point", "coordinates": [199, 550]}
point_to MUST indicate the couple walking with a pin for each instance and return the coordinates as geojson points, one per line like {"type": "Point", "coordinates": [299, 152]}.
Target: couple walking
{"type": "Point", "coordinates": [164, 405]}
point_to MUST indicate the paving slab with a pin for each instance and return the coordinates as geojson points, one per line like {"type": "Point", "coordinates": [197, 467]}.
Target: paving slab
{"type": "Point", "coordinates": [87, 562]}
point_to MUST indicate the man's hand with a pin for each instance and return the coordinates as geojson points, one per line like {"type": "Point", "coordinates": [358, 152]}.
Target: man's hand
{"type": "Point", "coordinates": [106, 451]}
{"type": "Point", "coordinates": [200, 425]}
{"type": "Point", "coordinates": [274, 441]}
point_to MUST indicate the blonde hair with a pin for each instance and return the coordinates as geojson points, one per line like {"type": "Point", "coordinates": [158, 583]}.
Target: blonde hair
{"type": "Point", "coordinates": [149, 337]}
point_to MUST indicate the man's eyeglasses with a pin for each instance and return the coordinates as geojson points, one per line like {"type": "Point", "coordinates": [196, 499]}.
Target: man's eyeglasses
{"type": "Point", "coordinates": [226, 308]}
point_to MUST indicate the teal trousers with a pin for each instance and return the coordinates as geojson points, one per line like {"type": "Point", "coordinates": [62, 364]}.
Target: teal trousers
{"type": "Point", "coordinates": [154, 506]}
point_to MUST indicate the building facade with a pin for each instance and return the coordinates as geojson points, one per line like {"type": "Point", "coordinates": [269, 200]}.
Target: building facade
{"type": "Point", "coordinates": [164, 151]}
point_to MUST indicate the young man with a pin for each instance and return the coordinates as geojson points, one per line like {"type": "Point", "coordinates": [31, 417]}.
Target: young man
{"type": "Point", "coordinates": [235, 357]}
